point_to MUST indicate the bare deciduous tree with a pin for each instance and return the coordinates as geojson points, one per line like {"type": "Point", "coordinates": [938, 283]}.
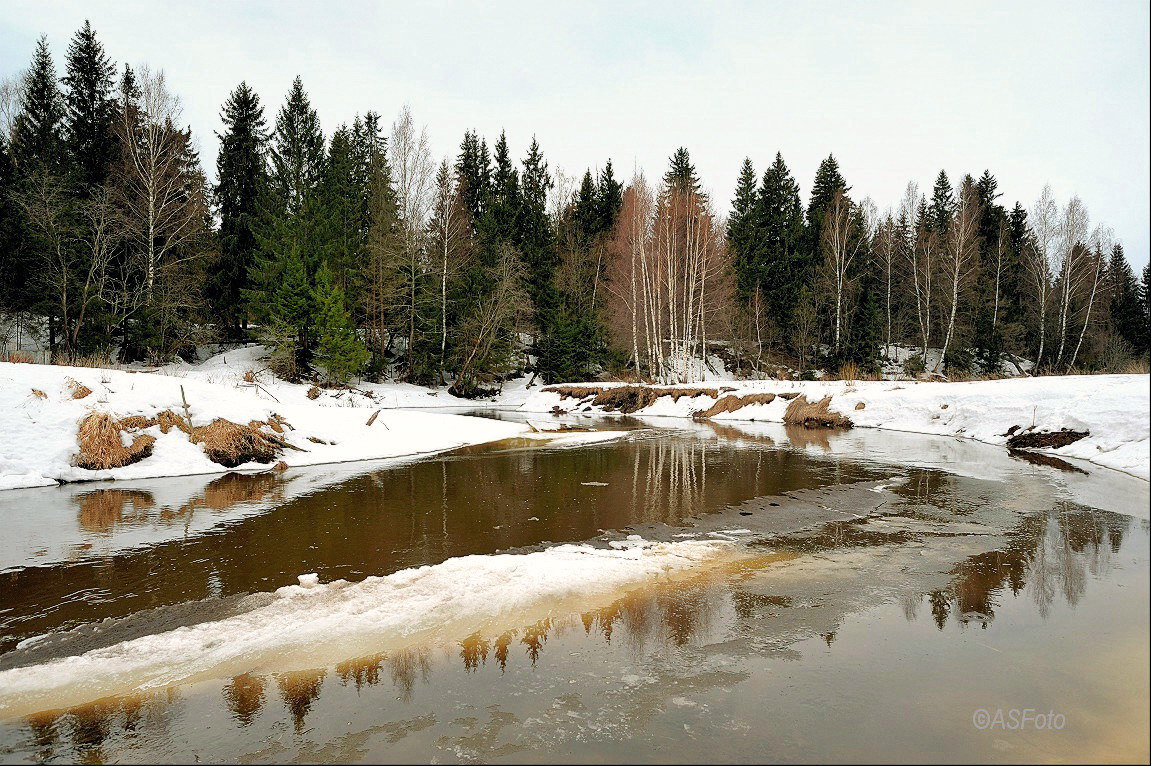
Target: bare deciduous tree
{"type": "Point", "coordinates": [960, 256]}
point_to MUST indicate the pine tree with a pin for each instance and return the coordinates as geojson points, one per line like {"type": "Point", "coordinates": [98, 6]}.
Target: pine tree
{"type": "Point", "coordinates": [36, 131]}
{"type": "Point", "coordinates": [338, 348]}
{"type": "Point", "coordinates": [88, 133]}
{"type": "Point", "coordinates": [240, 170]}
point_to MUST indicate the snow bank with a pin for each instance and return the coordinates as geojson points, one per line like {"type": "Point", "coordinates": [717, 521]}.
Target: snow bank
{"type": "Point", "coordinates": [38, 430]}
{"type": "Point", "coordinates": [1113, 408]}
{"type": "Point", "coordinates": [311, 625]}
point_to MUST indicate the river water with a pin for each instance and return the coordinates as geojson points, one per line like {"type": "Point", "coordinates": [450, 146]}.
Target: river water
{"type": "Point", "coordinates": [877, 596]}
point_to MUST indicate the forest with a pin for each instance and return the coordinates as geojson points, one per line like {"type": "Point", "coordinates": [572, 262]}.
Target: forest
{"type": "Point", "coordinates": [356, 253]}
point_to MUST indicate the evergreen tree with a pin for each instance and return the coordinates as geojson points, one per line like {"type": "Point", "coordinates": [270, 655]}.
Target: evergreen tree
{"type": "Point", "coordinates": [473, 176]}
{"type": "Point", "coordinates": [609, 198]}
{"type": "Point", "coordinates": [91, 110]}
{"type": "Point", "coordinates": [784, 264]}
{"type": "Point", "coordinates": [340, 203]}
{"type": "Point", "coordinates": [13, 271]}
{"type": "Point", "coordinates": [1127, 310]}
{"type": "Point", "coordinates": [942, 207]}
{"type": "Point", "coordinates": [742, 228]}
{"type": "Point", "coordinates": [338, 348]}
{"type": "Point", "coordinates": [681, 175]}
{"type": "Point", "coordinates": [296, 151]}
{"type": "Point", "coordinates": [828, 182]}
{"type": "Point", "coordinates": [36, 131]}
{"type": "Point", "coordinates": [585, 213]}
{"type": "Point", "coordinates": [240, 170]}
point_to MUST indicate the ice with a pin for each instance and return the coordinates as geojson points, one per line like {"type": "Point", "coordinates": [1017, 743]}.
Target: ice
{"type": "Point", "coordinates": [312, 624]}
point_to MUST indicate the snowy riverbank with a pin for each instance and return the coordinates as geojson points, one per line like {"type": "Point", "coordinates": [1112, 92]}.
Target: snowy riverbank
{"type": "Point", "coordinates": [1112, 409]}
{"type": "Point", "coordinates": [39, 420]}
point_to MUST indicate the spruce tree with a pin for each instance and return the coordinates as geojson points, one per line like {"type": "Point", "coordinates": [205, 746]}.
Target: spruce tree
{"type": "Point", "coordinates": [36, 131]}
{"type": "Point", "coordinates": [681, 175]}
{"type": "Point", "coordinates": [91, 110]}
{"type": "Point", "coordinates": [784, 263]}
{"type": "Point", "coordinates": [942, 207]}
{"type": "Point", "coordinates": [296, 151]}
{"type": "Point", "coordinates": [14, 273]}
{"type": "Point", "coordinates": [828, 182]}
{"type": "Point", "coordinates": [240, 170]}
{"type": "Point", "coordinates": [473, 176]}
{"type": "Point", "coordinates": [609, 198]}
{"type": "Point", "coordinates": [1126, 305]}
{"type": "Point", "coordinates": [742, 227]}
{"type": "Point", "coordinates": [339, 349]}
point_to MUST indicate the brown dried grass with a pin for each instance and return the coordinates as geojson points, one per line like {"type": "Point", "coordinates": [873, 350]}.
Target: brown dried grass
{"type": "Point", "coordinates": [801, 412]}
{"type": "Point", "coordinates": [731, 403]}
{"type": "Point", "coordinates": [101, 446]}
{"type": "Point", "coordinates": [166, 419]}
{"type": "Point", "coordinates": [39, 394]}
{"type": "Point", "coordinates": [78, 389]}
{"type": "Point", "coordinates": [21, 357]}
{"type": "Point", "coordinates": [231, 444]}
{"type": "Point", "coordinates": [314, 392]}
{"type": "Point", "coordinates": [629, 399]}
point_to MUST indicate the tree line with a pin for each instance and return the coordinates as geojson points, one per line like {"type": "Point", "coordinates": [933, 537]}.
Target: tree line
{"type": "Point", "coordinates": [358, 254]}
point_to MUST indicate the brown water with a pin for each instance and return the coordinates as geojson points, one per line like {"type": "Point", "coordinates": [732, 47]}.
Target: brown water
{"type": "Point", "coordinates": [853, 624]}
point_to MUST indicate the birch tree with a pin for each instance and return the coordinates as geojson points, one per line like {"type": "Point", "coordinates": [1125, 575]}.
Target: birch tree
{"type": "Point", "coordinates": [1070, 252]}
{"type": "Point", "coordinates": [1040, 254]}
{"type": "Point", "coordinates": [960, 257]}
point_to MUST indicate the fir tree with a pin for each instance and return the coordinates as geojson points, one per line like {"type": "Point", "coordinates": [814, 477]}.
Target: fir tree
{"type": "Point", "coordinates": [88, 132]}
{"type": "Point", "coordinates": [36, 131]}
{"type": "Point", "coordinates": [13, 268]}
{"type": "Point", "coordinates": [240, 170]}
{"type": "Point", "coordinates": [339, 349]}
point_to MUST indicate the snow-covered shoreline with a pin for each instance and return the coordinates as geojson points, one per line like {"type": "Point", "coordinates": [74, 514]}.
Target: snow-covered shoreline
{"type": "Point", "coordinates": [38, 433]}
{"type": "Point", "coordinates": [1113, 409]}
{"type": "Point", "coordinates": [39, 420]}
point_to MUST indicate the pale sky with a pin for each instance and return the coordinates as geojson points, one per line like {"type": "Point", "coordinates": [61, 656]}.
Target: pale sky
{"type": "Point", "coordinates": [1038, 92]}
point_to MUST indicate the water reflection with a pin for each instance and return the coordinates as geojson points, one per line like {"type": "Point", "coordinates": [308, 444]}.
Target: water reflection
{"type": "Point", "coordinates": [376, 523]}
{"type": "Point", "coordinates": [1048, 558]}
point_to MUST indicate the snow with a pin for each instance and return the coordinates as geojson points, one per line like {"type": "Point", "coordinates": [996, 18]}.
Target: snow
{"type": "Point", "coordinates": [38, 434]}
{"type": "Point", "coordinates": [312, 624]}
{"type": "Point", "coordinates": [1114, 409]}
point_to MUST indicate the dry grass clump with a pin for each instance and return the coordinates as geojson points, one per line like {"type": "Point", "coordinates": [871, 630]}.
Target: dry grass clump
{"type": "Point", "coordinates": [101, 446]}
{"type": "Point", "coordinates": [314, 392]}
{"type": "Point", "coordinates": [814, 414]}
{"type": "Point", "coordinates": [84, 360]}
{"type": "Point", "coordinates": [166, 419]}
{"type": "Point", "coordinates": [629, 399]}
{"type": "Point", "coordinates": [731, 403]}
{"type": "Point", "coordinates": [78, 389]}
{"type": "Point", "coordinates": [39, 394]}
{"type": "Point", "coordinates": [21, 357]}
{"type": "Point", "coordinates": [231, 444]}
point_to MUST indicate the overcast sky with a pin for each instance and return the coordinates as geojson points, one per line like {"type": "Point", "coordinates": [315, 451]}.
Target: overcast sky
{"type": "Point", "coordinates": [1038, 92]}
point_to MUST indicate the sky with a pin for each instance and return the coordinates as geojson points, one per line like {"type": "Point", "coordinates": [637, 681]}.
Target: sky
{"type": "Point", "coordinates": [1037, 92]}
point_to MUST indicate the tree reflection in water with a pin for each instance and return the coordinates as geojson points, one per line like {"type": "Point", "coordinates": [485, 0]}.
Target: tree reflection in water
{"type": "Point", "coordinates": [1048, 557]}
